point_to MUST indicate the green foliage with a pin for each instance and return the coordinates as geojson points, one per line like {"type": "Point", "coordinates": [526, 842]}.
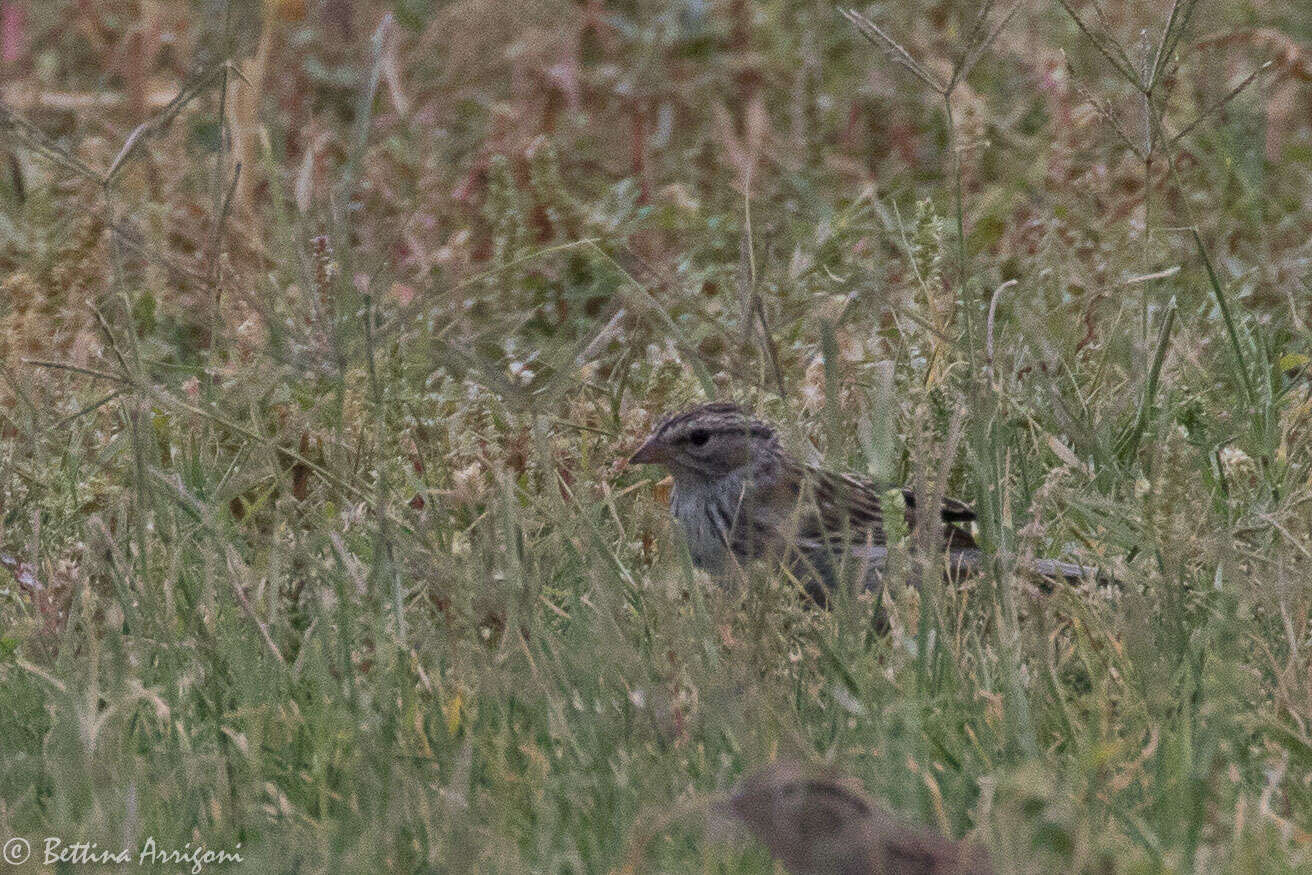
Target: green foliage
{"type": "Point", "coordinates": [321, 480]}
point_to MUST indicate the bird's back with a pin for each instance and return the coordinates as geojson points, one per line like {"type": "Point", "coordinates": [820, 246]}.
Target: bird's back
{"type": "Point", "coordinates": [837, 511]}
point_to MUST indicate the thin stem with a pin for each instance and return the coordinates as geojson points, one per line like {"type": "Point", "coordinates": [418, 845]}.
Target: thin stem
{"type": "Point", "coordinates": [892, 49]}
{"type": "Point", "coordinates": [958, 203]}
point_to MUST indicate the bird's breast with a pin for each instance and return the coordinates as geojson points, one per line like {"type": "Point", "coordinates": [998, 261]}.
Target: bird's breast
{"type": "Point", "coordinates": [705, 531]}
{"type": "Point", "coordinates": [723, 517]}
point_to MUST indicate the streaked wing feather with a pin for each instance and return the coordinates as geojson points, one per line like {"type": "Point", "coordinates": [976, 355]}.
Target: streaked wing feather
{"type": "Point", "coordinates": [845, 508]}
{"type": "Point", "coordinates": [952, 511]}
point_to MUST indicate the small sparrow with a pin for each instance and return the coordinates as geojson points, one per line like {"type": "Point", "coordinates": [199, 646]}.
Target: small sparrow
{"type": "Point", "coordinates": [817, 824]}
{"type": "Point", "coordinates": [739, 496]}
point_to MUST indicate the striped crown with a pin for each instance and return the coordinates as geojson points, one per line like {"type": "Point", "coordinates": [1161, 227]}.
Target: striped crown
{"type": "Point", "coordinates": [718, 417]}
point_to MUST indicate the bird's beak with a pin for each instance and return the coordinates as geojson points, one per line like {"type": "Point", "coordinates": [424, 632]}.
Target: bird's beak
{"type": "Point", "coordinates": [653, 452]}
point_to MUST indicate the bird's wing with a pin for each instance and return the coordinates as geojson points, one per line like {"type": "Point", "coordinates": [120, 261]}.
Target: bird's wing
{"type": "Point", "coordinates": [951, 510]}
{"type": "Point", "coordinates": [845, 508]}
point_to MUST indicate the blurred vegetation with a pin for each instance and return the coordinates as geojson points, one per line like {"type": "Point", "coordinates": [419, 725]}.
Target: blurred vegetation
{"type": "Point", "coordinates": [325, 327]}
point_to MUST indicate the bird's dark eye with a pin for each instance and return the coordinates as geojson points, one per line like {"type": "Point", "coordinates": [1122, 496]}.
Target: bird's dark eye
{"type": "Point", "coordinates": [699, 437]}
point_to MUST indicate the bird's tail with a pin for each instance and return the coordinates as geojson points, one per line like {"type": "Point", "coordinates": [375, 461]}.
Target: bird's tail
{"type": "Point", "coordinates": [970, 561]}
{"type": "Point", "coordinates": [1055, 569]}
{"type": "Point", "coordinates": [1046, 571]}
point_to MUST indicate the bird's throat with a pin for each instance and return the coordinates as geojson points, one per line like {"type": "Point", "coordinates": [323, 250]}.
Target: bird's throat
{"type": "Point", "coordinates": [706, 510]}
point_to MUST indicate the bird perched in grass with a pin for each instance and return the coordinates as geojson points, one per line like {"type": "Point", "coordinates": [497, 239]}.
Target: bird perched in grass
{"type": "Point", "coordinates": [739, 496]}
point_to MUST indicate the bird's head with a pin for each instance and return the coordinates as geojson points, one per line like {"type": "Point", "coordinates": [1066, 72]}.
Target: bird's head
{"type": "Point", "coordinates": [708, 442]}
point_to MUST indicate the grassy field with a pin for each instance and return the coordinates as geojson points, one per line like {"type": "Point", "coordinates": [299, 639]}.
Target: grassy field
{"type": "Point", "coordinates": [326, 327]}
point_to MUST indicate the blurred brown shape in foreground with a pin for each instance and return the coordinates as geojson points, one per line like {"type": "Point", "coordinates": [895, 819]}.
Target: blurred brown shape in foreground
{"type": "Point", "coordinates": [815, 823]}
